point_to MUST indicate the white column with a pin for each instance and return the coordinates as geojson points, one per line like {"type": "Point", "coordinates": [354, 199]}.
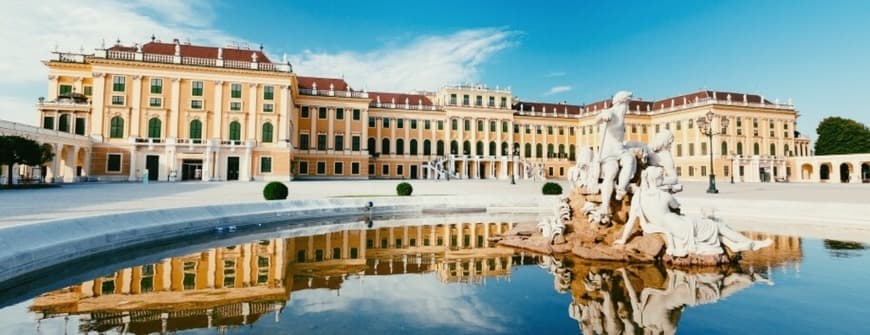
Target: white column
{"type": "Point", "coordinates": [247, 162]}
{"type": "Point", "coordinates": [252, 112]}
{"type": "Point", "coordinates": [284, 114]}
{"type": "Point", "coordinates": [217, 118]}
{"type": "Point", "coordinates": [393, 136]}
{"type": "Point", "coordinates": [97, 106]}
{"type": "Point", "coordinates": [499, 138]}
{"type": "Point", "coordinates": [206, 163]}
{"type": "Point", "coordinates": [330, 129]}
{"type": "Point", "coordinates": [378, 139]}
{"type": "Point", "coordinates": [174, 108]}
{"type": "Point", "coordinates": [364, 136]}
{"type": "Point", "coordinates": [136, 106]}
{"type": "Point", "coordinates": [407, 138]}
{"type": "Point", "coordinates": [348, 137]}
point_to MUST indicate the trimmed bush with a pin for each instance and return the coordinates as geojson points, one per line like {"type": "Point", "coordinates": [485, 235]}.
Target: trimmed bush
{"type": "Point", "coordinates": [404, 189]}
{"type": "Point", "coordinates": [275, 190]}
{"type": "Point", "coordinates": [551, 189]}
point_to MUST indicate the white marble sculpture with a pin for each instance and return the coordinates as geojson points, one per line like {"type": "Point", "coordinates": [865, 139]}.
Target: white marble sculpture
{"type": "Point", "coordinates": [610, 173]}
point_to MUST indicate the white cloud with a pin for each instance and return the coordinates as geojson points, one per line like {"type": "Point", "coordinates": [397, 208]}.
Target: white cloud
{"type": "Point", "coordinates": [31, 30]}
{"type": "Point", "coordinates": [558, 89]}
{"type": "Point", "coordinates": [425, 62]}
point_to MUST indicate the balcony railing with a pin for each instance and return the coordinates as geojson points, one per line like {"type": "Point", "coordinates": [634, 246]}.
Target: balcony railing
{"type": "Point", "coordinates": [375, 104]}
{"type": "Point", "coordinates": [333, 93]}
{"type": "Point", "coordinates": [171, 59]}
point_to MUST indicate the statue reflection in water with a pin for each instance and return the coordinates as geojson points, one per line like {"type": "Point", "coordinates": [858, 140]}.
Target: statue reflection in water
{"type": "Point", "coordinates": [647, 299]}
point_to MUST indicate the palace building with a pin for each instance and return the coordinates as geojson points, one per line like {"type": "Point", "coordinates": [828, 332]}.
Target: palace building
{"type": "Point", "coordinates": [176, 111]}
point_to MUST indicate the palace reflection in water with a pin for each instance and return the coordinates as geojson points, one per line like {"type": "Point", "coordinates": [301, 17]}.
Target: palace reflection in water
{"type": "Point", "coordinates": [241, 284]}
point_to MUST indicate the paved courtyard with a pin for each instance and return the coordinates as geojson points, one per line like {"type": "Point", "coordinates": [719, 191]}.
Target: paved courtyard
{"type": "Point", "coordinates": [770, 204]}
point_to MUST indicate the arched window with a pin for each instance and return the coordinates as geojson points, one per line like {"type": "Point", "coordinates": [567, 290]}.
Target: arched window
{"type": "Point", "coordinates": [413, 147]}
{"type": "Point", "coordinates": [427, 147]}
{"type": "Point", "coordinates": [724, 148]}
{"type": "Point", "coordinates": [385, 146]}
{"type": "Point", "coordinates": [785, 150]}
{"type": "Point", "coordinates": [528, 149]}
{"type": "Point", "coordinates": [740, 148]}
{"type": "Point", "coordinates": [63, 123]}
{"type": "Point", "coordinates": [454, 148]}
{"type": "Point", "coordinates": [773, 149]}
{"type": "Point", "coordinates": [479, 147]}
{"type": "Point", "coordinates": [439, 148]}
{"type": "Point", "coordinates": [116, 127]}
{"type": "Point", "coordinates": [550, 150]}
{"type": "Point", "coordinates": [504, 149]}
{"type": "Point", "coordinates": [539, 150]}
{"type": "Point", "coordinates": [493, 148]}
{"type": "Point", "coordinates": [756, 149]}
{"type": "Point", "coordinates": [372, 145]}
{"type": "Point", "coordinates": [235, 131]}
{"type": "Point", "coordinates": [561, 150]}
{"type": "Point", "coordinates": [466, 147]}
{"type": "Point", "coordinates": [154, 127]}
{"type": "Point", "coordinates": [400, 147]}
{"type": "Point", "coordinates": [267, 132]}
{"type": "Point", "coordinates": [195, 130]}
{"type": "Point", "coordinates": [571, 152]}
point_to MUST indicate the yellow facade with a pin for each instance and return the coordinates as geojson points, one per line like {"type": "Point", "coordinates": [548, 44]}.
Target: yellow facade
{"type": "Point", "coordinates": [196, 114]}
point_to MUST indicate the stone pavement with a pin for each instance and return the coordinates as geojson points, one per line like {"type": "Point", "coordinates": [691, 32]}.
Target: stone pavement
{"type": "Point", "coordinates": [27, 206]}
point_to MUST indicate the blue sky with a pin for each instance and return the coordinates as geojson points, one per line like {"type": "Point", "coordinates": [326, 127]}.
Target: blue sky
{"type": "Point", "coordinates": [817, 53]}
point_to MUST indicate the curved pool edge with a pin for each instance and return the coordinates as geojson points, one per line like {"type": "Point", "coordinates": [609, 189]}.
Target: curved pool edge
{"type": "Point", "coordinates": [26, 248]}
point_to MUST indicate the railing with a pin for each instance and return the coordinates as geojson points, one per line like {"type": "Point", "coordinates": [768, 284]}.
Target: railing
{"type": "Point", "coordinates": [333, 93]}
{"type": "Point", "coordinates": [68, 57]}
{"type": "Point", "coordinates": [199, 61]}
{"type": "Point", "coordinates": [64, 104]}
{"type": "Point", "coordinates": [8, 127]}
{"type": "Point", "coordinates": [376, 104]}
{"type": "Point", "coordinates": [157, 58]}
{"type": "Point", "coordinates": [171, 59]}
{"type": "Point", "coordinates": [122, 55]}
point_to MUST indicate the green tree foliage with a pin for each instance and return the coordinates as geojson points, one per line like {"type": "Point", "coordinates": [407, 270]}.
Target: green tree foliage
{"type": "Point", "coordinates": [20, 150]}
{"type": "Point", "coordinates": [842, 136]}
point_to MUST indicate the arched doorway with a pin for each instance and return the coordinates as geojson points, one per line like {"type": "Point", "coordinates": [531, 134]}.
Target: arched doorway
{"type": "Point", "coordinates": [845, 171]}
{"type": "Point", "coordinates": [806, 172]}
{"type": "Point", "coordinates": [825, 172]}
{"type": "Point", "coordinates": [865, 172]}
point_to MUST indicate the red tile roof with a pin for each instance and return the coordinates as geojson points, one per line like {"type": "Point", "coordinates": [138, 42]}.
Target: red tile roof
{"type": "Point", "coordinates": [322, 83]}
{"type": "Point", "coordinates": [188, 50]}
{"type": "Point", "coordinates": [387, 97]}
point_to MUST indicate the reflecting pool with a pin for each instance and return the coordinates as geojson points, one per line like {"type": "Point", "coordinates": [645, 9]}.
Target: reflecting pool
{"type": "Point", "coordinates": [441, 278]}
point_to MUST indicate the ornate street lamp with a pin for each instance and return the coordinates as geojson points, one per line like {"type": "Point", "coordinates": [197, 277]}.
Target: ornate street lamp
{"type": "Point", "coordinates": [705, 126]}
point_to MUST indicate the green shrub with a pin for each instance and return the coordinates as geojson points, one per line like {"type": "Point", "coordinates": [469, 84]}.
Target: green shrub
{"type": "Point", "coordinates": [275, 190]}
{"type": "Point", "coordinates": [551, 189]}
{"type": "Point", "coordinates": [404, 189]}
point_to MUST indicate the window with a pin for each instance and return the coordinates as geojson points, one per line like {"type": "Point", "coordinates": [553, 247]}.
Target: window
{"type": "Point", "coordinates": [236, 91]}
{"type": "Point", "coordinates": [303, 141]}
{"type": "Point", "coordinates": [571, 131]}
{"type": "Point", "coordinates": [113, 163]}
{"type": "Point", "coordinates": [355, 146]}
{"type": "Point", "coordinates": [195, 129]}
{"type": "Point", "coordinates": [726, 171]}
{"type": "Point", "coordinates": [303, 167]}
{"type": "Point", "coordinates": [48, 122]}
{"type": "Point", "coordinates": [453, 99]}
{"type": "Point", "coordinates": [679, 150]}
{"type": "Point", "coordinates": [235, 106]}
{"type": "Point", "coordinates": [196, 88]}
{"type": "Point", "coordinates": [64, 89]}
{"type": "Point", "coordinates": [116, 127]}
{"type": "Point", "coordinates": [561, 130]}
{"type": "Point", "coordinates": [479, 125]}
{"type": "Point", "coordinates": [691, 149]}
{"type": "Point", "coordinates": [385, 170]}
{"type": "Point", "coordinates": [338, 169]}
{"type": "Point", "coordinates": [413, 124]}
{"type": "Point", "coordinates": [465, 100]}
{"type": "Point", "coordinates": [491, 102]}
{"type": "Point", "coordinates": [679, 125]}
{"type": "Point", "coordinates": [268, 108]}
{"type": "Point", "coordinates": [63, 123]}
{"type": "Point", "coordinates": [400, 146]}
{"type": "Point", "coordinates": [478, 101]}
{"type": "Point", "coordinates": [265, 164]}
{"type": "Point", "coordinates": [80, 126]}
{"type": "Point", "coordinates": [399, 169]}
{"type": "Point", "coordinates": [454, 124]}
{"type": "Point", "coordinates": [440, 125]}
{"type": "Point", "coordinates": [539, 129]}
{"type": "Point", "coordinates": [703, 171]}
{"type": "Point", "coordinates": [321, 141]}
{"type": "Point", "coordinates": [267, 132]}
{"type": "Point", "coordinates": [503, 102]}
{"type": "Point", "coordinates": [235, 131]}
{"type": "Point", "coordinates": [321, 167]}
{"type": "Point", "coordinates": [321, 113]}
{"type": "Point", "coordinates": [339, 113]}
{"type": "Point", "coordinates": [155, 102]}
{"type": "Point", "coordinates": [156, 86]}
{"type": "Point", "coordinates": [89, 90]}
{"type": "Point", "coordinates": [154, 128]}
{"type": "Point", "coordinates": [492, 126]}
{"type": "Point", "coordinates": [704, 148]}
{"type": "Point", "coordinates": [354, 168]}
{"type": "Point", "coordinates": [549, 130]}
{"type": "Point", "coordinates": [400, 123]}
{"type": "Point", "coordinates": [339, 142]}
{"type": "Point", "coordinates": [118, 83]}
{"type": "Point", "coordinates": [196, 104]}
{"type": "Point", "coordinates": [304, 112]}
{"type": "Point", "coordinates": [504, 126]}
{"type": "Point", "coordinates": [371, 122]}
{"type": "Point", "coordinates": [371, 170]}
{"type": "Point", "coordinates": [385, 122]}
{"type": "Point", "coordinates": [118, 100]}
{"type": "Point", "coordinates": [427, 124]}
{"type": "Point", "coordinates": [356, 115]}
{"type": "Point", "coordinates": [336, 253]}
{"type": "Point", "coordinates": [268, 92]}
{"type": "Point", "coordinates": [691, 123]}
{"type": "Point", "coordinates": [528, 129]}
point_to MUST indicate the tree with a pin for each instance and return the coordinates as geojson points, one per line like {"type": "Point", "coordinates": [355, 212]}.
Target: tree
{"type": "Point", "coordinates": [20, 150]}
{"type": "Point", "coordinates": [842, 136]}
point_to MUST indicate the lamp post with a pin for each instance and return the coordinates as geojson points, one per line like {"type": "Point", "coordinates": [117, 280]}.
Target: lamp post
{"type": "Point", "coordinates": [513, 168]}
{"type": "Point", "coordinates": [732, 166]}
{"type": "Point", "coordinates": [705, 126]}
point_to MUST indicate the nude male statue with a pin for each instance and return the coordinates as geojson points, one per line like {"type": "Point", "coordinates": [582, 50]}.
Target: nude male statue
{"type": "Point", "coordinates": [618, 165]}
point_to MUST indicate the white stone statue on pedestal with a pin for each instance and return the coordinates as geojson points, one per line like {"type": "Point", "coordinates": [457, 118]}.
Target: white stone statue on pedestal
{"type": "Point", "coordinates": [617, 164]}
